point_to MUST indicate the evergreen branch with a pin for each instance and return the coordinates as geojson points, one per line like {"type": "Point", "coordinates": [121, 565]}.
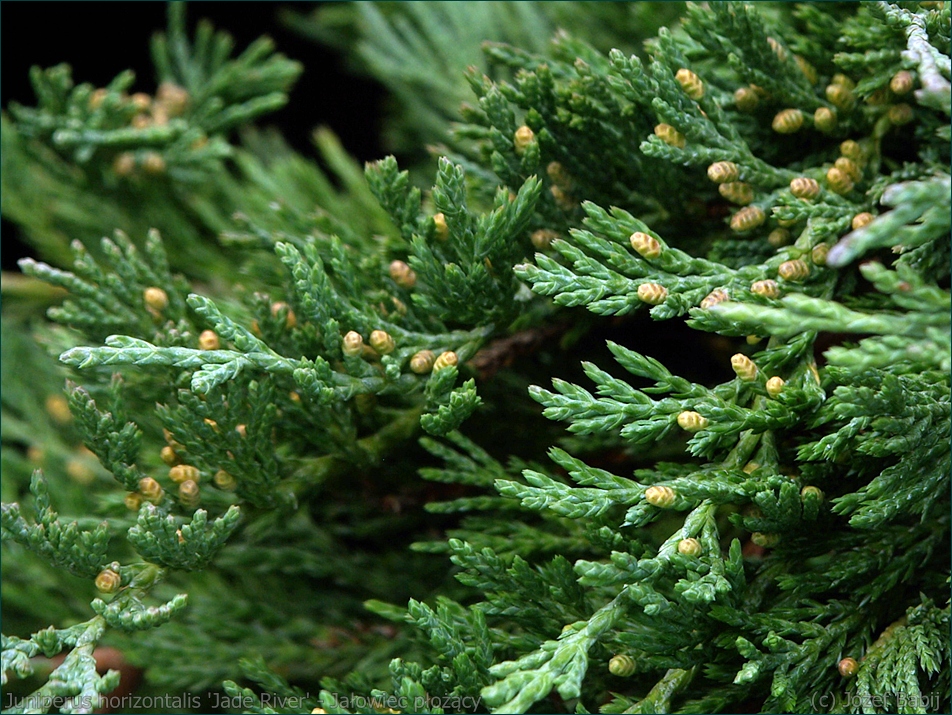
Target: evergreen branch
{"type": "Point", "coordinates": [116, 447]}
{"type": "Point", "coordinates": [330, 296]}
{"type": "Point", "coordinates": [934, 67]}
{"type": "Point", "coordinates": [870, 568]}
{"type": "Point", "coordinates": [226, 328]}
{"type": "Point", "coordinates": [190, 546]}
{"type": "Point", "coordinates": [127, 291]}
{"type": "Point", "coordinates": [544, 493]}
{"type": "Point", "coordinates": [902, 409]}
{"type": "Point", "coordinates": [256, 669]}
{"type": "Point", "coordinates": [412, 682]}
{"type": "Point", "coordinates": [249, 698]}
{"type": "Point", "coordinates": [128, 613]}
{"type": "Point", "coordinates": [889, 673]}
{"type": "Point", "coordinates": [231, 430]}
{"type": "Point", "coordinates": [639, 419]}
{"type": "Point", "coordinates": [75, 682]}
{"type": "Point", "coordinates": [459, 635]}
{"type": "Point", "coordinates": [739, 34]}
{"type": "Point", "coordinates": [82, 553]}
{"type": "Point", "coordinates": [392, 189]}
{"type": "Point", "coordinates": [799, 312]}
{"type": "Point", "coordinates": [462, 402]}
{"type": "Point", "coordinates": [658, 699]}
{"type": "Point", "coordinates": [215, 367]}
{"type": "Point", "coordinates": [920, 217]}
{"type": "Point", "coordinates": [201, 93]}
{"type": "Point", "coordinates": [16, 657]}
{"type": "Point", "coordinates": [892, 352]}
{"type": "Point", "coordinates": [518, 590]}
{"type": "Point", "coordinates": [559, 664]}
{"type": "Point", "coordinates": [609, 280]}
{"type": "Point", "coordinates": [222, 92]}
{"type": "Point", "coordinates": [468, 278]}
{"type": "Point", "coordinates": [902, 489]}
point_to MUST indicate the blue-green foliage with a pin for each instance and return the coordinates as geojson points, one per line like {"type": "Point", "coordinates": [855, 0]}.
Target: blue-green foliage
{"type": "Point", "coordinates": [798, 456]}
{"type": "Point", "coordinates": [702, 543]}
{"type": "Point", "coordinates": [82, 553]}
{"type": "Point", "coordinates": [164, 540]}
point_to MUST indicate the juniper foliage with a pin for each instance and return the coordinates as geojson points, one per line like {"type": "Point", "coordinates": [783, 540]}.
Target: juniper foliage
{"type": "Point", "coordinates": [774, 176]}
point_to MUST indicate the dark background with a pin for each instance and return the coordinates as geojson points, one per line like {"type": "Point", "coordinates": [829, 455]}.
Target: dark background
{"type": "Point", "coordinates": [101, 39]}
